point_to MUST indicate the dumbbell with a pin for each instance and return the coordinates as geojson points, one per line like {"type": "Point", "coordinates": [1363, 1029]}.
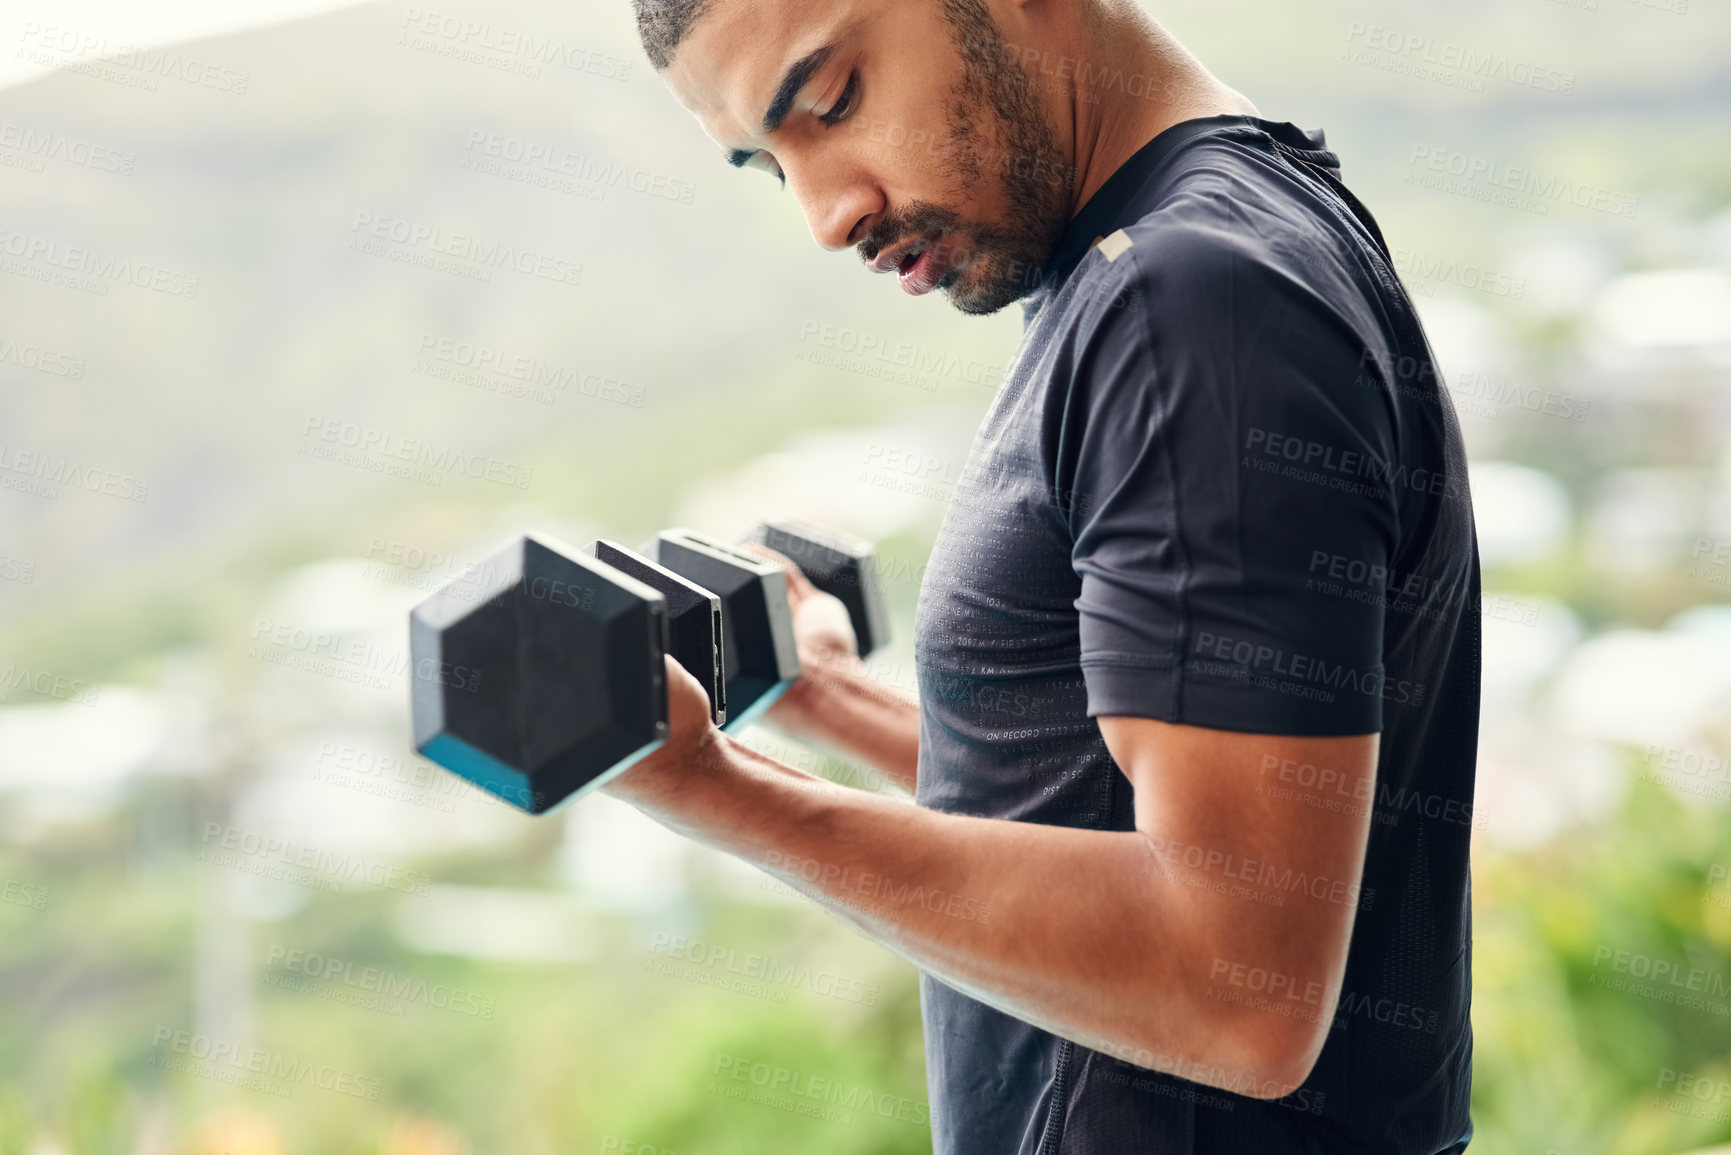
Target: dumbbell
{"type": "Point", "coordinates": [540, 675]}
{"type": "Point", "coordinates": [760, 662]}
{"type": "Point", "coordinates": [837, 564]}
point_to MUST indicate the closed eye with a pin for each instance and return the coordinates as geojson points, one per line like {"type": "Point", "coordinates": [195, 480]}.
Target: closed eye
{"type": "Point", "coordinates": [758, 159]}
{"type": "Point", "coordinates": [764, 162]}
{"type": "Point", "coordinates": [844, 107]}
{"type": "Point", "coordinates": [845, 103]}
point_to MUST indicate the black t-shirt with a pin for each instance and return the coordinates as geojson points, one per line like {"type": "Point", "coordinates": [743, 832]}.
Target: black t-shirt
{"type": "Point", "coordinates": [1220, 485]}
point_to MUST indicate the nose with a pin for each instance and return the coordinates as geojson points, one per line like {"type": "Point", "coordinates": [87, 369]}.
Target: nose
{"type": "Point", "coordinates": [839, 203]}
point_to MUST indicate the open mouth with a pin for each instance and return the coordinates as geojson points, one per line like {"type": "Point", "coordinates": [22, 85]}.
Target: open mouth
{"type": "Point", "coordinates": [913, 255]}
{"type": "Point", "coordinates": [922, 266]}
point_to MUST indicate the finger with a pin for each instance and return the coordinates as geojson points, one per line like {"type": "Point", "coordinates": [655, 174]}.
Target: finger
{"type": "Point", "coordinates": [686, 698]}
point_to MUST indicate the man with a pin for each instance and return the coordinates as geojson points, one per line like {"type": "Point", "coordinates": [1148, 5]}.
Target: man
{"type": "Point", "coordinates": [1197, 645]}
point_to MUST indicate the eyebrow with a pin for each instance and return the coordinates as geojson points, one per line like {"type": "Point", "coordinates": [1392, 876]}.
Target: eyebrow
{"type": "Point", "coordinates": [798, 74]}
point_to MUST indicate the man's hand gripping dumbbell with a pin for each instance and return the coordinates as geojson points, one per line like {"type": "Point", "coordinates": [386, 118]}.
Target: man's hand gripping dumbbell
{"type": "Point", "coordinates": [548, 671]}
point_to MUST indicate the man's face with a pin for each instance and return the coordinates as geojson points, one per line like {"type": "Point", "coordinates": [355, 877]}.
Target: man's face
{"type": "Point", "coordinates": [901, 128]}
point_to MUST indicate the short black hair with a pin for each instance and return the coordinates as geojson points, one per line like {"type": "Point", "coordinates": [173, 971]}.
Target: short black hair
{"type": "Point", "coordinates": [663, 24]}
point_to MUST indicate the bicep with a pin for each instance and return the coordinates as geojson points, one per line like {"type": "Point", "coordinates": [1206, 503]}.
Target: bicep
{"type": "Point", "coordinates": [1234, 534]}
{"type": "Point", "coordinates": [1290, 795]}
{"type": "Point", "coordinates": [1264, 837]}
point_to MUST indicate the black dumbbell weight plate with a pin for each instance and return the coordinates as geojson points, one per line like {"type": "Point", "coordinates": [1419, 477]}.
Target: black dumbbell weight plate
{"type": "Point", "coordinates": [837, 564]}
{"type": "Point", "coordinates": [759, 661]}
{"type": "Point", "coordinates": [694, 626]}
{"type": "Point", "coordinates": [541, 675]}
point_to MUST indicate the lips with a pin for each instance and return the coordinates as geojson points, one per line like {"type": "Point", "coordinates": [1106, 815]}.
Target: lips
{"type": "Point", "coordinates": [920, 275]}
{"type": "Point", "coordinates": [919, 263]}
{"type": "Point", "coordinates": [898, 256]}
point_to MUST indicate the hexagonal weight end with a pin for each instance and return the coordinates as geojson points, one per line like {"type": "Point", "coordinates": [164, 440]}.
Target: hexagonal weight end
{"type": "Point", "coordinates": [540, 674]}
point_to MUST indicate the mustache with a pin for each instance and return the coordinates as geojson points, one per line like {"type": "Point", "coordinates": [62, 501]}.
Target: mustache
{"type": "Point", "coordinates": [916, 220]}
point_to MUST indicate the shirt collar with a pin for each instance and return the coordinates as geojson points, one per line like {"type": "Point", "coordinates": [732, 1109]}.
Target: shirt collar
{"type": "Point", "coordinates": [1110, 206]}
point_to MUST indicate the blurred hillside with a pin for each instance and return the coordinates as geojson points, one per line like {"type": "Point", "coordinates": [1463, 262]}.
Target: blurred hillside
{"type": "Point", "coordinates": [257, 196]}
{"type": "Point", "coordinates": [348, 117]}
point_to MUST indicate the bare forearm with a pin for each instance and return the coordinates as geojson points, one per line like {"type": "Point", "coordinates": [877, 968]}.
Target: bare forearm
{"type": "Point", "coordinates": [1075, 931]}
{"type": "Point", "coordinates": [839, 704]}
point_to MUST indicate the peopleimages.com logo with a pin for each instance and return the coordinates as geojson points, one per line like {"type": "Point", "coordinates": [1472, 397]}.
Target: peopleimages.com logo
{"type": "Point", "coordinates": [1522, 187]}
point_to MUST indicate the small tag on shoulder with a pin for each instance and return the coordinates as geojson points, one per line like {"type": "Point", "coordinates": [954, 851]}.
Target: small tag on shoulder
{"type": "Point", "coordinates": [1113, 246]}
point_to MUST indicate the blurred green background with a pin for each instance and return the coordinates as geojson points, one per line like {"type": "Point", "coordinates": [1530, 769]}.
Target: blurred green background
{"type": "Point", "coordinates": [409, 969]}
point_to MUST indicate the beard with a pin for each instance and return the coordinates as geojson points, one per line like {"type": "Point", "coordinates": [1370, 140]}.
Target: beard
{"type": "Point", "coordinates": [998, 262]}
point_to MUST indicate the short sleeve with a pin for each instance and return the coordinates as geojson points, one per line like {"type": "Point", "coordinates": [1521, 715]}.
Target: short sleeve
{"type": "Point", "coordinates": [1227, 465]}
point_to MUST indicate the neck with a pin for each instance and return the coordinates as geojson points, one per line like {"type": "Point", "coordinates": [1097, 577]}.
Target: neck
{"type": "Point", "coordinates": [1132, 82]}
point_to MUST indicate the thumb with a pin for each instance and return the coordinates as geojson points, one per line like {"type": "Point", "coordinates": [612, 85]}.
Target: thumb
{"type": "Point", "coordinates": [687, 701]}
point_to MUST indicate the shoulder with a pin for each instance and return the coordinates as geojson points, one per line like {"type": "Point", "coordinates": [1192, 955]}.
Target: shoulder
{"type": "Point", "coordinates": [1188, 277]}
{"type": "Point", "coordinates": [1227, 217]}
{"type": "Point", "coordinates": [1220, 315]}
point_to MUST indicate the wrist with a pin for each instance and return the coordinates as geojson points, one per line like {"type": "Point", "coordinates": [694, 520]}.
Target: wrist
{"type": "Point", "coordinates": [678, 781]}
{"type": "Point", "coordinates": [824, 679]}
{"type": "Point", "coordinates": [800, 705]}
